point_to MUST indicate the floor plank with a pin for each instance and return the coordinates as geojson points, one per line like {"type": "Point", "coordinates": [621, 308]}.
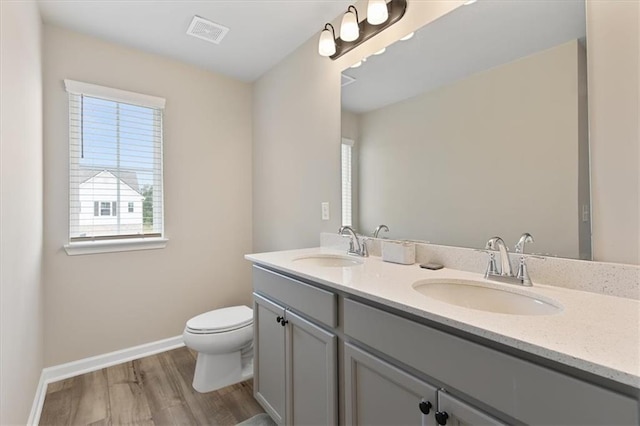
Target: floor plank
{"type": "Point", "coordinates": [126, 397]}
{"type": "Point", "coordinates": [57, 407]}
{"type": "Point", "coordinates": [151, 391]}
{"type": "Point", "coordinates": [90, 398]}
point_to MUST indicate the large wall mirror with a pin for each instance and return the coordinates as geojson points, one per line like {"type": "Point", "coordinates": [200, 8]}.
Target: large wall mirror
{"type": "Point", "coordinates": [476, 126]}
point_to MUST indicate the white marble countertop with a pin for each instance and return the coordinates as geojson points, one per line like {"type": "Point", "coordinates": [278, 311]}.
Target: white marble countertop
{"type": "Point", "coordinates": [595, 333]}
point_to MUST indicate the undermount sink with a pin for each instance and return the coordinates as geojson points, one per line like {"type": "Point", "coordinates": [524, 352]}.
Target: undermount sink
{"type": "Point", "coordinates": [329, 260]}
{"type": "Point", "coordinates": [481, 296]}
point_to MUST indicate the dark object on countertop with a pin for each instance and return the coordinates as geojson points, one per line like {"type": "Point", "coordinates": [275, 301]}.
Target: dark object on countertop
{"type": "Point", "coordinates": [431, 266]}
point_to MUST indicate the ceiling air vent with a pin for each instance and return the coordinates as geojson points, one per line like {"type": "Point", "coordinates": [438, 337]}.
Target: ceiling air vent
{"type": "Point", "coordinates": [347, 80]}
{"type": "Point", "coordinates": [207, 30]}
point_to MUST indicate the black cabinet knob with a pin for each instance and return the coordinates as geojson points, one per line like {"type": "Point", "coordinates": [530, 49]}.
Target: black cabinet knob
{"type": "Point", "coordinates": [425, 407]}
{"type": "Point", "coordinates": [284, 322]}
{"type": "Point", "coordinates": [278, 319]}
{"type": "Point", "coordinates": [441, 417]}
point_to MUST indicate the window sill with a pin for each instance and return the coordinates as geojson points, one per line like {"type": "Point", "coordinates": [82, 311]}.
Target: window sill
{"type": "Point", "coordinates": [113, 246]}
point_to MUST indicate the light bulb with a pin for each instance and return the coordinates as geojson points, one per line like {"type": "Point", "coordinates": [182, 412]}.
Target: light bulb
{"type": "Point", "coordinates": [356, 65]}
{"type": "Point", "coordinates": [467, 3]}
{"type": "Point", "coordinates": [381, 51]}
{"type": "Point", "coordinates": [326, 45]}
{"type": "Point", "coordinates": [349, 30]}
{"type": "Point", "coordinates": [377, 12]}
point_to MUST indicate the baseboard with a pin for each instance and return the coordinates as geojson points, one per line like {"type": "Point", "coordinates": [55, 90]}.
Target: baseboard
{"type": "Point", "coordinates": [38, 402]}
{"type": "Point", "coordinates": [98, 362]}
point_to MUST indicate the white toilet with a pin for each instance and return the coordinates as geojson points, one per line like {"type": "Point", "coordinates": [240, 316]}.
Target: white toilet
{"type": "Point", "coordinates": [224, 341]}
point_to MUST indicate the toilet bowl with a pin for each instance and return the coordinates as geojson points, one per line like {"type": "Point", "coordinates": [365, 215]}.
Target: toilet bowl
{"type": "Point", "coordinates": [223, 339]}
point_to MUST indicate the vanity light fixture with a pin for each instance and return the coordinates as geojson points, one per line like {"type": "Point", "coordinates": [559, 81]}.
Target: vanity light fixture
{"type": "Point", "coordinates": [349, 29]}
{"type": "Point", "coordinates": [327, 44]}
{"type": "Point", "coordinates": [377, 12]}
{"type": "Point", "coordinates": [354, 32]}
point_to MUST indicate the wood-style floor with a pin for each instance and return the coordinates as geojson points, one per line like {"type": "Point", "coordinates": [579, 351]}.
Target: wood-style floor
{"type": "Point", "coordinates": [149, 391]}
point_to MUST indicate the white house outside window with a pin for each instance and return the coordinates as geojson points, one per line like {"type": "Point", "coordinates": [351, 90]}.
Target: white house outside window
{"type": "Point", "coordinates": [115, 164]}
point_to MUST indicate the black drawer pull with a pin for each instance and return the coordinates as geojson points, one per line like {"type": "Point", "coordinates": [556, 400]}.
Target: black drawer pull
{"type": "Point", "coordinates": [441, 417]}
{"type": "Point", "coordinates": [425, 407]}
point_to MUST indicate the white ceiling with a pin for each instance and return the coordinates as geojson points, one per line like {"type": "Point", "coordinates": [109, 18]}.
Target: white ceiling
{"type": "Point", "coordinates": [262, 32]}
{"type": "Point", "coordinates": [468, 40]}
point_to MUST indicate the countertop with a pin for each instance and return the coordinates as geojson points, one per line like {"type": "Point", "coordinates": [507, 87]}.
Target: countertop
{"type": "Point", "coordinates": [595, 333]}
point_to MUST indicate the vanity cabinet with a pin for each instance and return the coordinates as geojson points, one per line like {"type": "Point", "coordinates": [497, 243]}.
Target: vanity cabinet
{"type": "Point", "coordinates": [295, 369]}
{"type": "Point", "coordinates": [511, 386]}
{"type": "Point", "coordinates": [377, 393]}
{"type": "Point", "coordinates": [454, 412]}
{"type": "Point", "coordinates": [397, 369]}
{"type": "Point", "coordinates": [269, 357]}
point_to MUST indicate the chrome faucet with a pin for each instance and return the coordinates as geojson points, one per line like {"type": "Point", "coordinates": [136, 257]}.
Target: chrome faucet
{"type": "Point", "coordinates": [497, 243]}
{"type": "Point", "coordinates": [355, 247]}
{"type": "Point", "coordinates": [505, 273]}
{"type": "Point", "coordinates": [380, 228]}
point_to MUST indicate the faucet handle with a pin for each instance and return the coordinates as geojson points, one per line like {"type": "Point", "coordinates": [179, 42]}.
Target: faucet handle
{"type": "Point", "coordinates": [492, 267]}
{"type": "Point", "coordinates": [364, 251]}
{"type": "Point", "coordinates": [523, 273]}
{"type": "Point", "coordinates": [524, 238]}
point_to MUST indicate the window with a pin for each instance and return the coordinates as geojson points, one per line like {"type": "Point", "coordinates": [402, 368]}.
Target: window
{"type": "Point", "coordinates": [115, 146]}
{"type": "Point", "coordinates": [347, 179]}
{"type": "Point", "coordinates": [105, 208]}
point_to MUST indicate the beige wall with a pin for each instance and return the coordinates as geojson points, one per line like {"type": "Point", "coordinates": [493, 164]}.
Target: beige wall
{"type": "Point", "coordinates": [305, 87]}
{"type": "Point", "coordinates": [21, 294]}
{"type": "Point", "coordinates": [470, 160]}
{"type": "Point", "coordinates": [105, 302]}
{"type": "Point", "coordinates": [296, 144]}
{"type": "Point", "coordinates": [613, 40]}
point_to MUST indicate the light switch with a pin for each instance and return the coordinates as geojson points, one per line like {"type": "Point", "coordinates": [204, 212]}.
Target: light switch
{"type": "Point", "coordinates": [325, 210]}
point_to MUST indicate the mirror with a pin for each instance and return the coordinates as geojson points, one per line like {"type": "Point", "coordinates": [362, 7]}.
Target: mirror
{"type": "Point", "coordinates": [476, 126]}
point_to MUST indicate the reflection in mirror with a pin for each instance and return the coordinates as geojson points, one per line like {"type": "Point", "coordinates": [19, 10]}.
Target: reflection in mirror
{"type": "Point", "coordinates": [475, 127]}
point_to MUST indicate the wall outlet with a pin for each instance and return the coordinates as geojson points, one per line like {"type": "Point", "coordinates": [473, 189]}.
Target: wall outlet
{"type": "Point", "coordinates": [325, 210]}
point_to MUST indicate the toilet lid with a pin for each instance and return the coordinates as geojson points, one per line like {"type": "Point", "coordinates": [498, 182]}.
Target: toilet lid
{"type": "Point", "coordinates": [221, 320]}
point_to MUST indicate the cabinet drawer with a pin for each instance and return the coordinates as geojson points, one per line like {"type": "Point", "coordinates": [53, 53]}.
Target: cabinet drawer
{"type": "Point", "coordinates": [311, 301]}
{"type": "Point", "coordinates": [528, 392]}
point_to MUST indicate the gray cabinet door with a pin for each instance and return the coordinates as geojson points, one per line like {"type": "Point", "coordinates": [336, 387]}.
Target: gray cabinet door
{"type": "Point", "coordinates": [458, 413]}
{"type": "Point", "coordinates": [312, 373]}
{"type": "Point", "coordinates": [269, 357]}
{"type": "Point", "coordinates": [377, 393]}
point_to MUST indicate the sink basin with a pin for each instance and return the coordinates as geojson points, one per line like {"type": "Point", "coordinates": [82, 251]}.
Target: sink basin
{"type": "Point", "coordinates": [483, 297]}
{"type": "Point", "coordinates": [329, 260]}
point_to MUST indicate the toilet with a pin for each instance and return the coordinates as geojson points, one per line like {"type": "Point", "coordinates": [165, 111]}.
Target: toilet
{"type": "Point", "coordinates": [223, 339]}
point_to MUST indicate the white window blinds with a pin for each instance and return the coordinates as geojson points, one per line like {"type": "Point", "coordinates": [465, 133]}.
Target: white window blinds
{"type": "Point", "coordinates": [115, 163]}
{"type": "Point", "coordinates": [347, 176]}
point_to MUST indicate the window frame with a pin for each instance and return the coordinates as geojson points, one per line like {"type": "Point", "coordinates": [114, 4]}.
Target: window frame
{"type": "Point", "coordinates": [345, 142]}
{"type": "Point", "coordinates": [116, 243]}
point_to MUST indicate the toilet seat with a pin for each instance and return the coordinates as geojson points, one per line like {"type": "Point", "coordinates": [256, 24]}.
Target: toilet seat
{"type": "Point", "coordinates": [221, 320]}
